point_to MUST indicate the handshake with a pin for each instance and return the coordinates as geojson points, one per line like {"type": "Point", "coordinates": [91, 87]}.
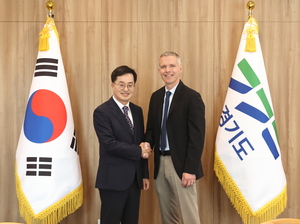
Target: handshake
{"type": "Point", "coordinates": [146, 150]}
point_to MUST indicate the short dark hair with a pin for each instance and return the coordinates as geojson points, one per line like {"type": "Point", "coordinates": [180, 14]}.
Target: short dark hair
{"type": "Point", "coordinates": [122, 70]}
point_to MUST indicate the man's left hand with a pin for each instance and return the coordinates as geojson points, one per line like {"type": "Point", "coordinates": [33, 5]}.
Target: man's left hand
{"type": "Point", "coordinates": [188, 180]}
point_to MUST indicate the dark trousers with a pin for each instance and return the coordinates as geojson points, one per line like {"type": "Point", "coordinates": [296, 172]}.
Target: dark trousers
{"type": "Point", "coordinates": [120, 206]}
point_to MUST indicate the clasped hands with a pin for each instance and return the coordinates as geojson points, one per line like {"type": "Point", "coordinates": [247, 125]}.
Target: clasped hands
{"type": "Point", "coordinates": [146, 150]}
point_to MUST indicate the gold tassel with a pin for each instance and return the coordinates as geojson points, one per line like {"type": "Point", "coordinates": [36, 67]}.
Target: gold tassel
{"type": "Point", "coordinates": [45, 34]}
{"type": "Point", "coordinates": [44, 39]}
{"type": "Point", "coordinates": [250, 43]}
{"type": "Point", "coordinates": [251, 29]}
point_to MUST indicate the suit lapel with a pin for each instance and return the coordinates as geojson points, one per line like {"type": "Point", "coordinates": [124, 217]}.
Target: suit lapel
{"type": "Point", "coordinates": [161, 98]}
{"type": "Point", "coordinates": [136, 120]}
{"type": "Point", "coordinates": [115, 110]}
{"type": "Point", "coordinates": [176, 97]}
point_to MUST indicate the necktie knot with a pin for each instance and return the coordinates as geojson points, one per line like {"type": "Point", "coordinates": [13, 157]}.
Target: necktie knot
{"type": "Point", "coordinates": [168, 93]}
{"type": "Point", "coordinates": [125, 108]}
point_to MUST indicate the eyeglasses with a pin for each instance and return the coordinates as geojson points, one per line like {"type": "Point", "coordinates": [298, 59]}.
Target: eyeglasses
{"type": "Point", "coordinates": [122, 86]}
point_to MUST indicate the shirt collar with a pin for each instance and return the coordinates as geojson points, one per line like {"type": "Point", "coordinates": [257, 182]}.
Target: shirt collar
{"type": "Point", "coordinates": [120, 105]}
{"type": "Point", "coordinates": [172, 90]}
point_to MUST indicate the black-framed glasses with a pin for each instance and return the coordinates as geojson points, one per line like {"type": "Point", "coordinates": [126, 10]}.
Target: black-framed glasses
{"type": "Point", "coordinates": [130, 86]}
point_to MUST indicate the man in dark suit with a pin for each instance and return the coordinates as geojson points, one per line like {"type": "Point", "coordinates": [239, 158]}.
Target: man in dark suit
{"type": "Point", "coordinates": [123, 167]}
{"type": "Point", "coordinates": [178, 143]}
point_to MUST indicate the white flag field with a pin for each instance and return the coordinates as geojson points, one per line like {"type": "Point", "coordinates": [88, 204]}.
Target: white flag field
{"type": "Point", "coordinates": [48, 174]}
{"type": "Point", "coordinates": [248, 162]}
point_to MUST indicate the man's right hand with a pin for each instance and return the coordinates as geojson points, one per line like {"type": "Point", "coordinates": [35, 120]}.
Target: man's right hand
{"type": "Point", "coordinates": [146, 150]}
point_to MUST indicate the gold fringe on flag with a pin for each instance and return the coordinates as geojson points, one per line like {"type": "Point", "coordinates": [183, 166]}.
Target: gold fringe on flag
{"type": "Point", "coordinates": [54, 213]}
{"type": "Point", "coordinates": [45, 34]}
{"type": "Point", "coordinates": [268, 212]}
{"type": "Point", "coordinates": [251, 29]}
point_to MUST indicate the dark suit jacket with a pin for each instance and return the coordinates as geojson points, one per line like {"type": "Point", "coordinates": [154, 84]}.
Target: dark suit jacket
{"type": "Point", "coordinates": [185, 128]}
{"type": "Point", "coordinates": [120, 154]}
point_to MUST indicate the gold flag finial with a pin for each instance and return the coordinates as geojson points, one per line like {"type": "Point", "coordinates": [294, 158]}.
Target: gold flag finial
{"type": "Point", "coordinates": [50, 7]}
{"type": "Point", "coordinates": [250, 7]}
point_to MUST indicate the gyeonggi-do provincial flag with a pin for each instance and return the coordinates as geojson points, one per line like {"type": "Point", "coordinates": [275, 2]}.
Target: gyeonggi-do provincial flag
{"type": "Point", "coordinates": [247, 158]}
{"type": "Point", "coordinates": [48, 173]}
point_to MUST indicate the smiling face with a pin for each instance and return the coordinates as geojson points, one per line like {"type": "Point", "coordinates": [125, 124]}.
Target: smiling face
{"type": "Point", "coordinates": [169, 70]}
{"type": "Point", "coordinates": [123, 88]}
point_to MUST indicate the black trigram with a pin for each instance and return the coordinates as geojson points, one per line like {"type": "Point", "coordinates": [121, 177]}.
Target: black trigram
{"type": "Point", "coordinates": [39, 166]}
{"type": "Point", "coordinates": [46, 67]}
{"type": "Point", "coordinates": [74, 142]}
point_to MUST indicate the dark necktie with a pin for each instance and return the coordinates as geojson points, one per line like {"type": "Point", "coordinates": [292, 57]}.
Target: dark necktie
{"type": "Point", "coordinates": [163, 136]}
{"type": "Point", "coordinates": [125, 109]}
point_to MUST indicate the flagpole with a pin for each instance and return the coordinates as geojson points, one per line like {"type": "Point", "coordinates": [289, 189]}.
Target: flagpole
{"type": "Point", "coordinates": [50, 6]}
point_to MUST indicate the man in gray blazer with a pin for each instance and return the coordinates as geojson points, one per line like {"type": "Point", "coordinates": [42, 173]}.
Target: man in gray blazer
{"type": "Point", "coordinates": [122, 170]}
{"type": "Point", "coordinates": [176, 130]}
